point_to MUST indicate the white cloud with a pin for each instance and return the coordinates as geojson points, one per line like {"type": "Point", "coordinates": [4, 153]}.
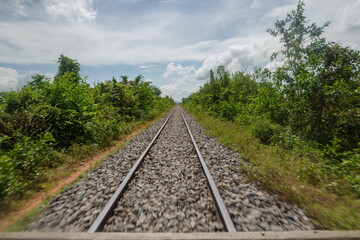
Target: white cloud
{"type": "Point", "coordinates": [248, 52]}
{"type": "Point", "coordinates": [10, 79]}
{"type": "Point", "coordinates": [256, 4]}
{"type": "Point", "coordinates": [45, 10]}
{"type": "Point", "coordinates": [147, 66]}
{"type": "Point", "coordinates": [350, 18]}
{"type": "Point", "coordinates": [147, 38]}
{"type": "Point", "coordinates": [343, 15]}
{"type": "Point", "coordinates": [74, 11]}
{"type": "Point", "coordinates": [182, 87]}
{"type": "Point", "coordinates": [279, 12]}
{"type": "Point", "coordinates": [93, 45]}
{"type": "Point", "coordinates": [163, 34]}
{"type": "Point", "coordinates": [178, 69]}
{"type": "Point", "coordinates": [19, 8]}
{"type": "Point", "coordinates": [273, 65]}
{"type": "Point", "coordinates": [139, 37]}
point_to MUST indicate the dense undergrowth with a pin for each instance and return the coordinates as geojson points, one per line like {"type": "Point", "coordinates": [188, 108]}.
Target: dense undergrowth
{"type": "Point", "coordinates": [298, 126]}
{"type": "Point", "coordinates": [49, 121]}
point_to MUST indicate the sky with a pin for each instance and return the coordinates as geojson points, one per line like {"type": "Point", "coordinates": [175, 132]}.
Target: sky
{"type": "Point", "coordinates": [172, 43]}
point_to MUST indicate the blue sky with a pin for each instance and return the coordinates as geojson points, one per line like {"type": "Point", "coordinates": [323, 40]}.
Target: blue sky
{"type": "Point", "coordinates": [173, 43]}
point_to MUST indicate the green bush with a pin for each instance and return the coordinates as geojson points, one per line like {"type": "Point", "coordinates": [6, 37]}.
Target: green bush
{"type": "Point", "coordinates": [227, 110]}
{"type": "Point", "coordinates": [24, 164]}
{"type": "Point", "coordinates": [287, 139]}
{"type": "Point", "coordinates": [46, 118]}
{"type": "Point", "coordinates": [265, 130]}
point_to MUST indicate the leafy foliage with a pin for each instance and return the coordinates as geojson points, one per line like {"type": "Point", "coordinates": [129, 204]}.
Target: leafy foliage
{"type": "Point", "coordinates": [68, 65]}
{"type": "Point", "coordinates": [311, 102]}
{"type": "Point", "coordinates": [45, 118]}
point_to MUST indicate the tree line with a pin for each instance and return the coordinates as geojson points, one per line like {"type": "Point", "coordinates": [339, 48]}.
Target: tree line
{"type": "Point", "coordinates": [47, 117]}
{"type": "Point", "coordinates": [311, 101]}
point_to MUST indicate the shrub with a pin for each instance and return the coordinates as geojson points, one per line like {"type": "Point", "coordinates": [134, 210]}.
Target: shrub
{"type": "Point", "coordinates": [47, 118]}
{"type": "Point", "coordinates": [24, 164]}
{"type": "Point", "coordinates": [287, 139]}
{"type": "Point", "coordinates": [265, 130]}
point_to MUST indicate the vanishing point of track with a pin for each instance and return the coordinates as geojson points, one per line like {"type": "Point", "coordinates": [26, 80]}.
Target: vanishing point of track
{"type": "Point", "coordinates": [108, 210]}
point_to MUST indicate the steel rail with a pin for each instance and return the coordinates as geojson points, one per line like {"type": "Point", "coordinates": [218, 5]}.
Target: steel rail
{"type": "Point", "coordinates": [219, 203]}
{"type": "Point", "coordinates": [99, 222]}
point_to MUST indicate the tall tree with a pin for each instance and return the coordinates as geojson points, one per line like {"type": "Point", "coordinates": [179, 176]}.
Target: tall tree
{"type": "Point", "coordinates": [319, 80]}
{"type": "Point", "coordinates": [68, 65]}
{"type": "Point", "coordinates": [125, 79]}
{"type": "Point", "coordinates": [38, 80]}
{"type": "Point", "coordinates": [299, 41]}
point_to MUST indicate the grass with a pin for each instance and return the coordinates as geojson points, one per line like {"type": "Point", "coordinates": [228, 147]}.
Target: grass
{"type": "Point", "coordinates": [276, 170]}
{"type": "Point", "coordinates": [78, 155]}
{"type": "Point", "coordinates": [24, 221]}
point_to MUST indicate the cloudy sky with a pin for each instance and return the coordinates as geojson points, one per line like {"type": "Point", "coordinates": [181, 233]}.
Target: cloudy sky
{"type": "Point", "coordinates": [173, 43]}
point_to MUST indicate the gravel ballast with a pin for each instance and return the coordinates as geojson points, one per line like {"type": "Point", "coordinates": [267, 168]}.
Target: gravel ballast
{"type": "Point", "coordinates": [77, 207]}
{"type": "Point", "coordinates": [249, 208]}
{"type": "Point", "coordinates": [169, 192]}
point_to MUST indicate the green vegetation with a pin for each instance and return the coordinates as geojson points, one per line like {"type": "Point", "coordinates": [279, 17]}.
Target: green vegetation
{"type": "Point", "coordinates": [22, 223]}
{"type": "Point", "coordinates": [45, 121]}
{"type": "Point", "coordinates": [299, 126]}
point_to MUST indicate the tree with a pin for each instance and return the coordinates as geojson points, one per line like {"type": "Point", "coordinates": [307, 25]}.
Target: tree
{"type": "Point", "coordinates": [223, 76]}
{"type": "Point", "coordinates": [329, 96]}
{"type": "Point", "coordinates": [138, 80]}
{"type": "Point", "coordinates": [320, 81]}
{"type": "Point", "coordinates": [124, 79]}
{"type": "Point", "coordinates": [212, 78]}
{"type": "Point", "coordinates": [68, 65]}
{"type": "Point", "coordinates": [38, 80]}
{"type": "Point", "coordinates": [157, 91]}
{"type": "Point", "coordinates": [299, 41]}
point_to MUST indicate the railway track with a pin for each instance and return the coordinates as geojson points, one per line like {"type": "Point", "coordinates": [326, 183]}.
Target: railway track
{"type": "Point", "coordinates": [108, 210]}
{"type": "Point", "coordinates": [169, 188]}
